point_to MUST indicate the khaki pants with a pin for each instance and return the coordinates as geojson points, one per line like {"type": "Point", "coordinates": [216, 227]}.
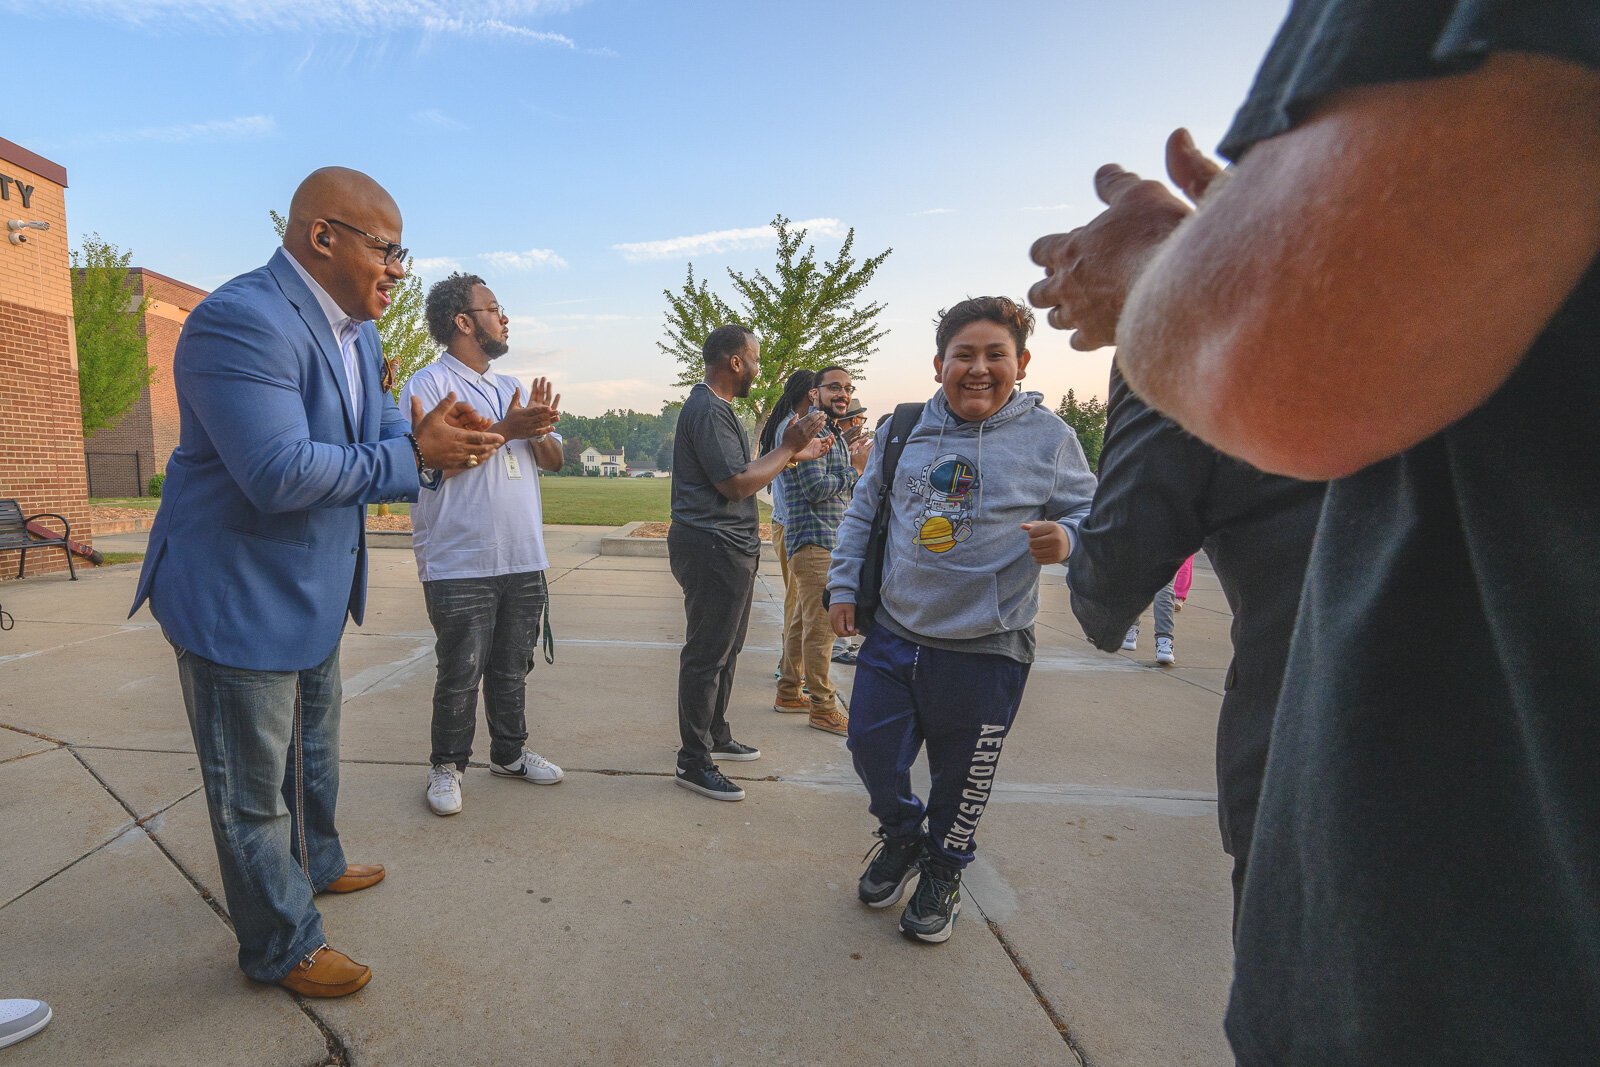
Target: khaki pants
{"type": "Point", "coordinates": [808, 577]}
{"type": "Point", "coordinates": [789, 676]}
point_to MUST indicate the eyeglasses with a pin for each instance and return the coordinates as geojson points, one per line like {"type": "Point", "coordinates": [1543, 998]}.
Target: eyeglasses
{"type": "Point", "coordinates": [392, 253]}
{"type": "Point", "coordinates": [836, 387]}
{"type": "Point", "coordinates": [496, 310]}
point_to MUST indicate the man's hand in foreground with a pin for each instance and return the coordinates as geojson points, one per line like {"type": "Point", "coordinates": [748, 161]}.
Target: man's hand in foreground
{"type": "Point", "coordinates": [452, 434]}
{"type": "Point", "coordinates": [1089, 271]}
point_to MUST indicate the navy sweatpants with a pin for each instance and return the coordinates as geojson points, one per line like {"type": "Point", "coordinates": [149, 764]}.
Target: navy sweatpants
{"type": "Point", "coordinates": [961, 704]}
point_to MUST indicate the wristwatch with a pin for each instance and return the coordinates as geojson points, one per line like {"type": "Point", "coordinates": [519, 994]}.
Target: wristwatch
{"type": "Point", "coordinates": [428, 476]}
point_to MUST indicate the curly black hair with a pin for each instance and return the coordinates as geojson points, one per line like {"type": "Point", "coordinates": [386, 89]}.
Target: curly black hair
{"type": "Point", "coordinates": [446, 300]}
{"type": "Point", "coordinates": [1002, 311]}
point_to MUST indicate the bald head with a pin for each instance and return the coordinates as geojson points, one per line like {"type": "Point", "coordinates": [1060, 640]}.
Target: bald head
{"type": "Point", "coordinates": [340, 222]}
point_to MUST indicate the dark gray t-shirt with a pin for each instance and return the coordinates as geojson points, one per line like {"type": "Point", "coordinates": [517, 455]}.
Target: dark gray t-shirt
{"type": "Point", "coordinates": [710, 447]}
{"type": "Point", "coordinates": [1424, 886]}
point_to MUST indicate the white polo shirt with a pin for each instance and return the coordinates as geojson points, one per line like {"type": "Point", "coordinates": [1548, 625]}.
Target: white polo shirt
{"type": "Point", "coordinates": [487, 520]}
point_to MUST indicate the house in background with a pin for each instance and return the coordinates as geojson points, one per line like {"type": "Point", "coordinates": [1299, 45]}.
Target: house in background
{"type": "Point", "coordinates": [605, 464]}
{"type": "Point", "coordinates": [122, 458]}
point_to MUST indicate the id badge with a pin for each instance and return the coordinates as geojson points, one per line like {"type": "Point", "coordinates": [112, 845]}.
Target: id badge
{"type": "Point", "coordinates": [513, 465]}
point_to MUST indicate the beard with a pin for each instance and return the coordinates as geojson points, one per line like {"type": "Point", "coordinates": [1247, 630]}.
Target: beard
{"type": "Point", "coordinates": [491, 348]}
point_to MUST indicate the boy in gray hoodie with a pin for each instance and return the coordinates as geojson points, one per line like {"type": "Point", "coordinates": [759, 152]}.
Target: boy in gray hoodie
{"type": "Point", "coordinates": [991, 486]}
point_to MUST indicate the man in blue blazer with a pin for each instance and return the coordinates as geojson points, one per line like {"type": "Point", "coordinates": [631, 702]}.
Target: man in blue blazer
{"type": "Point", "coordinates": [286, 432]}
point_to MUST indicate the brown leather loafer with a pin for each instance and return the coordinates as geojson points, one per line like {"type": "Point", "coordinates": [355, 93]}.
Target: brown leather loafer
{"type": "Point", "coordinates": [356, 876]}
{"type": "Point", "coordinates": [327, 972]}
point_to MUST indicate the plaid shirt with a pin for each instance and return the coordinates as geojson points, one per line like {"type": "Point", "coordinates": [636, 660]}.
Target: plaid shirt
{"type": "Point", "coordinates": [815, 495]}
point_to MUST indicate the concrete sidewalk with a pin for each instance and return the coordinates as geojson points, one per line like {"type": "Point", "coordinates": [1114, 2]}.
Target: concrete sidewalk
{"type": "Point", "coordinates": [614, 919]}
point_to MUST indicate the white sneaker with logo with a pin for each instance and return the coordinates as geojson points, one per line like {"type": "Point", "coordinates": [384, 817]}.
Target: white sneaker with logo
{"type": "Point", "coordinates": [444, 790]}
{"type": "Point", "coordinates": [1164, 654]}
{"type": "Point", "coordinates": [1131, 642]}
{"type": "Point", "coordinates": [530, 767]}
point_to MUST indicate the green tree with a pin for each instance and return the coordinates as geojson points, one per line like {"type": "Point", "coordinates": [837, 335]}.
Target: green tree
{"type": "Point", "coordinates": [403, 328]}
{"type": "Point", "coordinates": [113, 365]}
{"type": "Point", "coordinates": [1088, 420]}
{"type": "Point", "coordinates": [807, 315]}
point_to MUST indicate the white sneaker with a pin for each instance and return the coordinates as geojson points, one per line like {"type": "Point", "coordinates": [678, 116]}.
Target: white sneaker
{"type": "Point", "coordinates": [444, 790]}
{"type": "Point", "coordinates": [1164, 654]}
{"type": "Point", "coordinates": [1131, 642]}
{"type": "Point", "coordinates": [530, 767]}
{"type": "Point", "coordinates": [21, 1019]}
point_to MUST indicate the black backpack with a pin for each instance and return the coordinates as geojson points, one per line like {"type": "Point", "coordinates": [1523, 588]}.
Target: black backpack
{"type": "Point", "coordinates": [870, 586]}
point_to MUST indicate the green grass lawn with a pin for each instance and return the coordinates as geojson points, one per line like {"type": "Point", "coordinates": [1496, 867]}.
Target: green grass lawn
{"type": "Point", "coordinates": [149, 503]}
{"type": "Point", "coordinates": [567, 501]}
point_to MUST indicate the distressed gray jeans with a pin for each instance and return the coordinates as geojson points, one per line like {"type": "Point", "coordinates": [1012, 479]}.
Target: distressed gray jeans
{"type": "Point", "coordinates": [488, 632]}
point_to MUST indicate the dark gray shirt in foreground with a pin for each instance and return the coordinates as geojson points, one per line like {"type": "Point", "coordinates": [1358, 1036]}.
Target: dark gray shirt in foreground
{"type": "Point", "coordinates": [711, 447]}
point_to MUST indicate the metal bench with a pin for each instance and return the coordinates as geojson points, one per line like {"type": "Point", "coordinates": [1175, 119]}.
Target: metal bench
{"type": "Point", "coordinates": [14, 535]}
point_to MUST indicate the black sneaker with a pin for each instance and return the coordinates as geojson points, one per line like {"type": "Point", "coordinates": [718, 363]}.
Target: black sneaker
{"type": "Point", "coordinates": [733, 750]}
{"type": "Point", "coordinates": [931, 915]}
{"type": "Point", "coordinates": [884, 881]}
{"type": "Point", "coordinates": [710, 782]}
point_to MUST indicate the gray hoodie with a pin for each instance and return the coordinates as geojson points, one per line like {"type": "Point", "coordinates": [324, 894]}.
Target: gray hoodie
{"type": "Point", "coordinates": [957, 565]}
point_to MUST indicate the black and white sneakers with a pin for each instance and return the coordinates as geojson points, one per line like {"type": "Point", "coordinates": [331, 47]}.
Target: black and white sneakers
{"type": "Point", "coordinates": [884, 881]}
{"type": "Point", "coordinates": [931, 915]}
{"type": "Point", "coordinates": [734, 751]}
{"type": "Point", "coordinates": [710, 782]}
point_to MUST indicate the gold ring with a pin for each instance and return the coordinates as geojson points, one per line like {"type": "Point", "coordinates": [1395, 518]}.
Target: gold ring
{"type": "Point", "coordinates": [472, 461]}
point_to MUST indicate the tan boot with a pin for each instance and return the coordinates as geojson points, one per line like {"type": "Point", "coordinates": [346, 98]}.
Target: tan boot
{"type": "Point", "coordinates": [327, 972]}
{"type": "Point", "coordinates": [834, 722]}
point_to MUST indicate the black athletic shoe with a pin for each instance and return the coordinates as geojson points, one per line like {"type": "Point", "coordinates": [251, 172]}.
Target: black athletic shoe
{"type": "Point", "coordinates": [733, 750]}
{"type": "Point", "coordinates": [884, 881]}
{"type": "Point", "coordinates": [710, 782]}
{"type": "Point", "coordinates": [931, 915]}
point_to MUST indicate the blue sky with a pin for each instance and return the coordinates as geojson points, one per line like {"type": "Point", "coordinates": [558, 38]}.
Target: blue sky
{"type": "Point", "coordinates": [579, 154]}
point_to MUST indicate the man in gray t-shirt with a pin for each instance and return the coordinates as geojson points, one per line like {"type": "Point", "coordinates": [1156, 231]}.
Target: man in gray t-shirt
{"type": "Point", "coordinates": [714, 544]}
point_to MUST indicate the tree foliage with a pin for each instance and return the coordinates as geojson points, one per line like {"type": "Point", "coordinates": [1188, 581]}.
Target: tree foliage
{"type": "Point", "coordinates": [806, 315]}
{"type": "Point", "coordinates": [1088, 419]}
{"type": "Point", "coordinates": [403, 328]}
{"type": "Point", "coordinates": [113, 365]}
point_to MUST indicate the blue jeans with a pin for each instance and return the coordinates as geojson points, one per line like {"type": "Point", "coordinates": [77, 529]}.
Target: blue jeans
{"type": "Point", "coordinates": [961, 704]}
{"type": "Point", "coordinates": [488, 631]}
{"type": "Point", "coordinates": [268, 743]}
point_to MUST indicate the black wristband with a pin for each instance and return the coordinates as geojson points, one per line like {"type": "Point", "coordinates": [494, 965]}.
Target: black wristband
{"type": "Point", "coordinates": [426, 475]}
{"type": "Point", "coordinates": [416, 450]}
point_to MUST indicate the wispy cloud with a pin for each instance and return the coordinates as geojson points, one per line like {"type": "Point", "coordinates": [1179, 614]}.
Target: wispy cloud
{"type": "Point", "coordinates": [363, 17]}
{"type": "Point", "coordinates": [722, 240]}
{"type": "Point", "coordinates": [436, 118]}
{"type": "Point", "coordinates": [495, 28]}
{"type": "Point", "coordinates": [243, 128]}
{"type": "Point", "coordinates": [435, 266]}
{"type": "Point", "coordinates": [935, 211]}
{"type": "Point", "coordinates": [532, 259]}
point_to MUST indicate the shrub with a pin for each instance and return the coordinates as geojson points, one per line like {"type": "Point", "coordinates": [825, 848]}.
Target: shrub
{"type": "Point", "coordinates": [154, 489]}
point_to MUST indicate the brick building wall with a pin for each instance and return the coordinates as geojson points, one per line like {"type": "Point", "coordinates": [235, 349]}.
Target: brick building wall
{"type": "Point", "coordinates": [41, 428]}
{"type": "Point", "coordinates": [123, 457]}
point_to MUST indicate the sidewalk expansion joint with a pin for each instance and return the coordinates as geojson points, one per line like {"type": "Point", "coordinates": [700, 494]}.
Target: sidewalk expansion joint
{"type": "Point", "coordinates": [1050, 1012]}
{"type": "Point", "coordinates": [32, 733]}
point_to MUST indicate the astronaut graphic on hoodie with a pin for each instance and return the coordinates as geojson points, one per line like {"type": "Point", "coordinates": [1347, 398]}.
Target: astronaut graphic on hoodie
{"type": "Point", "coordinates": [948, 487]}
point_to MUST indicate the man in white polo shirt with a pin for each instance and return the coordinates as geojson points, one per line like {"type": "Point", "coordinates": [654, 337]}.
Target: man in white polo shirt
{"type": "Point", "coordinates": [479, 542]}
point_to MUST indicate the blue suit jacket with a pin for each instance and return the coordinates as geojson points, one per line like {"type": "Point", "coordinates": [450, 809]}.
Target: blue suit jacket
{"type": "Point", "coordinates": [259, 548]}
